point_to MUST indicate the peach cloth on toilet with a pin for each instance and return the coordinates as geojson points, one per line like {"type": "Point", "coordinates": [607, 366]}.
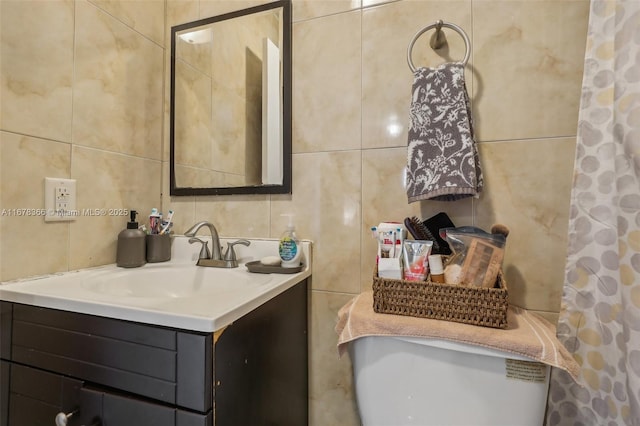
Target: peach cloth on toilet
{"type": "Point", "coordinates": [528, 334]}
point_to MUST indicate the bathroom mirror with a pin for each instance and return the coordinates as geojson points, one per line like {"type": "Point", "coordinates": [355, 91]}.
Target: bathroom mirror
{"type": "Point", "coordinates": [230, 111]}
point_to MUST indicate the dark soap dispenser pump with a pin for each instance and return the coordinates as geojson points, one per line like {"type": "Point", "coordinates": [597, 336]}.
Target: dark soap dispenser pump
{"type": "Point", "coordinates": [131, 245]}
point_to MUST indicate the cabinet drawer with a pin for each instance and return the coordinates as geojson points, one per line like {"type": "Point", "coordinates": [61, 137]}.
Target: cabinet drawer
{"type": "Point", "coordinates": [36, 397]}
{"type": "Point", "coordinates": [119, 410]}
{"type": "Point", "coordinates": [164, 364]}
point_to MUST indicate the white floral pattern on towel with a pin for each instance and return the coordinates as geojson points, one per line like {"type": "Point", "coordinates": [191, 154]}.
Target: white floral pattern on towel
{"type": "Point", "coordinates": [442, 161]}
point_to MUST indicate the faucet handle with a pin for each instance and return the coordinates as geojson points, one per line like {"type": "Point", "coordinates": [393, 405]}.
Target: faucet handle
{"type": "Point", "coordinates": [204, 250]}
{"type": "Point", "coordinates": [230, 254]}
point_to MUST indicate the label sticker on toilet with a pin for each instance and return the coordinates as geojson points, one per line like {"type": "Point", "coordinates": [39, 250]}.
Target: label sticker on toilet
{"type": "Point", "coordinates": [529, 371]}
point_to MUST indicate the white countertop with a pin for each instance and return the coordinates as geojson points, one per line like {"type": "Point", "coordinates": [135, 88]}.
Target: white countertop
{"type": "Point", "coordinates": [175, 294]}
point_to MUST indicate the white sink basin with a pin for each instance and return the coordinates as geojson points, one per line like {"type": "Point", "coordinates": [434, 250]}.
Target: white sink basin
{"type": "Point", "coordinates": [168, 281]}
{"type": "Point", "coordinates": [175, 294]}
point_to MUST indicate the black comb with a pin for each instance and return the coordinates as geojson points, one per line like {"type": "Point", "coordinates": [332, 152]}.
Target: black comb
{"type": "Point", "coordinates": [434, 224]}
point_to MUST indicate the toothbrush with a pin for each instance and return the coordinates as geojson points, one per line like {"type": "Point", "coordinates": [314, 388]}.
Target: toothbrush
{"type": "Point", "coordinates": [167, 222]}
{"type": "Point", "coordinates": [394, 243]}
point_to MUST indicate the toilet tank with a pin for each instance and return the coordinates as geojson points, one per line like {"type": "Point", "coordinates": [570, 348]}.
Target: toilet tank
{"type": "Point", "coordinates": [411, 381]}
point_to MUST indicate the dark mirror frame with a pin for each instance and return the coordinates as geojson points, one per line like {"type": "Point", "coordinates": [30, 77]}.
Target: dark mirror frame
{"type": "Point", "coordinates": [285, 187]}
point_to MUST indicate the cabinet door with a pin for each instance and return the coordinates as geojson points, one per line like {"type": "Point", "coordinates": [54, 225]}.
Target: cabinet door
{"type": "Point", "coordinates": [261, 365]}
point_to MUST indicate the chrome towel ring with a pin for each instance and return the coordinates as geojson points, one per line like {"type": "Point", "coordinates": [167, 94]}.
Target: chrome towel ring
{"type": "Point", "coordinates": [438, 40]}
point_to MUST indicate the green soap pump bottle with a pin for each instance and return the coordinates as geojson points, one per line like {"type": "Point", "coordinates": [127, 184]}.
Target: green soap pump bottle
{"type": "Point", "coordinates": [289, 247]}
{"type": "Point", "coordinates": [131, 245]}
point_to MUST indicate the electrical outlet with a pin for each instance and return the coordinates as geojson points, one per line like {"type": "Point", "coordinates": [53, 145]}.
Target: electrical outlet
{"type": "Point", "coordinates": [60, 199]}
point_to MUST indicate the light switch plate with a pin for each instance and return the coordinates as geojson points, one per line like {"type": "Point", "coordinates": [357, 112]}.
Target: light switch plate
{"type": "Point", "coordinates": [60, 199]}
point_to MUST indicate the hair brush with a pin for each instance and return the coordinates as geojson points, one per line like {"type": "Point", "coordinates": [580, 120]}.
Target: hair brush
{"type": "Point", "coordinates": [430, 230]}
{"type": "Point", "coordinates": [419, 231]}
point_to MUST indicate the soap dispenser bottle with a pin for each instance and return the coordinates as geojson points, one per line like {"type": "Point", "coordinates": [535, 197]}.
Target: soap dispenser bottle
{"type": "Point", "coordinates": [289, 247]}
{"type": "Point", "coordinates": [131, 245]}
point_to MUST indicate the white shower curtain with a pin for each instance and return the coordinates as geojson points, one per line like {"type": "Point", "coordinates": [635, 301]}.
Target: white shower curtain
{"type": "Point", "coordinates": [600, 315]}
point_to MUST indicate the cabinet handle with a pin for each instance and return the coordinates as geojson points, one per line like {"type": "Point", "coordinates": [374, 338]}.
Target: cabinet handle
{"type": "Point", "coordinates": [61, 418]}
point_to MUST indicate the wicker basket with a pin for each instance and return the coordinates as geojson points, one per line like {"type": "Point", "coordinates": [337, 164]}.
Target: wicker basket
{"type": "Point", "coordinates": [469, 305]}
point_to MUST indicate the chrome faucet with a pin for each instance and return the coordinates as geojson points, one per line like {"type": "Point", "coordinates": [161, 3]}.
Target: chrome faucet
{"type": "Point", "coordinates": [215, 239]}
{"type": "Point", "coordinates": [214, 258]}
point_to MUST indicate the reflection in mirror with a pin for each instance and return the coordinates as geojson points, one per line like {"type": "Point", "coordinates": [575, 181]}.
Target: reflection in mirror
{"type": "Point", "coordinates": [231, 103]}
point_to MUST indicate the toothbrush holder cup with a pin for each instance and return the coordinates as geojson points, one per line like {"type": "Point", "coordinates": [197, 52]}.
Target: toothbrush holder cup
{"type": "Point", "coordinates": [158, 248]}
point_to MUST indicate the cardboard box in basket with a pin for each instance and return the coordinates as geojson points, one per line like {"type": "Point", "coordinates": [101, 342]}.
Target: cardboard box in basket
{"type": "Point", "coordinates": [451, 302]}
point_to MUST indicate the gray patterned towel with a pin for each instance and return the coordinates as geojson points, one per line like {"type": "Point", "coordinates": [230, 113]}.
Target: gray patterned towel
{"type": "Point", "coordinates": [443, 161]}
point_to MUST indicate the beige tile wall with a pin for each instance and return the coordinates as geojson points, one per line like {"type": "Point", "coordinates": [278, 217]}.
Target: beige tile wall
{"type": "Point", "coordinates": [351, 86]}
{"type": "Point", "coordinates": [81, 97]}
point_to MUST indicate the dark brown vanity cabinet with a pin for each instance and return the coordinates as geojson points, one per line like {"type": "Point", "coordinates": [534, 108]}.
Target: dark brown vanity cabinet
{"type": "Point", "coordinates": [111, 372]}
